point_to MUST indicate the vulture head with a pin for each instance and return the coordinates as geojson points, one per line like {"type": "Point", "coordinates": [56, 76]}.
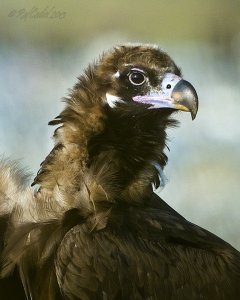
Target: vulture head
{"type": "Point", "coordinates": [144, 77]}
{"type": "Point", "coordinates": [113, 129]}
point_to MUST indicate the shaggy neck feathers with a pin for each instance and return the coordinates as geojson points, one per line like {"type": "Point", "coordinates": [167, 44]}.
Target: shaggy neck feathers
{"type": "Point", "coordinates": [103, 154]}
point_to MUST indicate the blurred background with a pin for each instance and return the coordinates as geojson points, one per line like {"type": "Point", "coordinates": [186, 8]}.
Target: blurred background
{"type": "Point", "coordinates": [45, 45]}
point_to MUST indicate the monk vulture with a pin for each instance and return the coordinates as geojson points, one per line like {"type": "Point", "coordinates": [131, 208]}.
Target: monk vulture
{"type": "Point", "coordinates": [92, 227]}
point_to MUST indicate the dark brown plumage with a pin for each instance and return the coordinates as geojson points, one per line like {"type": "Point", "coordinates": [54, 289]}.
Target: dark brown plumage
{"type": "Point", "coordinates": [94, 228]}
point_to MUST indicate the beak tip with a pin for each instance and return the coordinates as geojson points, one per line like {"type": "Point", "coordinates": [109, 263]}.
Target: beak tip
{"type": "Point", "coordinates": [185, 95]}
{"type": "Point", "coordinates": [194, 113]}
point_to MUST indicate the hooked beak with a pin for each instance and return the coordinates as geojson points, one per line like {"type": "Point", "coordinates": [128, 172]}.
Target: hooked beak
{"type": "Point", "coordinates": [175, 93]}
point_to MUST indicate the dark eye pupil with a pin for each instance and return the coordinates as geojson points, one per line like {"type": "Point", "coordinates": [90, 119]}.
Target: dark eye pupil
{"type": "Point", "coordinates": [169, 86]}
{"type": "Point", "coordinates": [137, 78]}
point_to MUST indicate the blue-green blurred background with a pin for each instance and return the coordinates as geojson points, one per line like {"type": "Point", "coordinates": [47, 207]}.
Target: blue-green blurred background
{"type": "Point", "coordinates": [44, 46]}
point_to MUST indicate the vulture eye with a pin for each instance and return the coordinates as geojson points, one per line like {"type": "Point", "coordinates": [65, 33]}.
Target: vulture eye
{"type": "Point", "coordinates": [137, 78]}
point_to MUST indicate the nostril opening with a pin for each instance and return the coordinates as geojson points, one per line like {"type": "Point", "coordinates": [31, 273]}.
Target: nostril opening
{"type": "Point", "coordinates": [169, 86]}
